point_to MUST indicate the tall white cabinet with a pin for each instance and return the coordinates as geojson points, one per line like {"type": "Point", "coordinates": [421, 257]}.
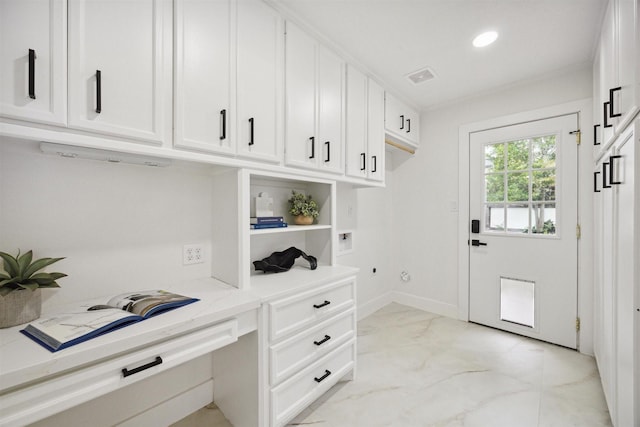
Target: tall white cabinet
{"type": "Point", "coordinates": [365, 131]}
{"type": "Point", "coordinates": [33, 63]}
{"type": "Point", "coordinates": [120, 68]}
{"type": "Point", "coordinates": [617, 276]}
{"type": "Point", "coordinates": [314, 103]}
{"type": "Point", "coordinates": [617, 71]}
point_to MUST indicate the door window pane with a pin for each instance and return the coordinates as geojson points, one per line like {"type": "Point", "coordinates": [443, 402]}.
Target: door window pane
{"type": "Point", "coordinates": [494, 217]}
{"type": "Point", "coordinates": [494, 157]}
{"type": "Point", "coordinates": [494, 187]}
{"type": "Point", "coordinates": [517, 301]}
{"type": "Point", "coordinates": [543, 217]}
{"type": "Point", "coordinates": [518, 187]}
{"type": "Point", "coordinates": [518, 155]}
{"type": "Point", "coordinates": [543, 185]}
{"type": "Point", "coordinates": [518, 218]}
{"type": "Point", "coordinates": [543, 152]}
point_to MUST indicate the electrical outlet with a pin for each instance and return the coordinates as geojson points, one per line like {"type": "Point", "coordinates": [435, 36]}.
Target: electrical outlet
{"type": "Point", "coordinates": [192, 254]}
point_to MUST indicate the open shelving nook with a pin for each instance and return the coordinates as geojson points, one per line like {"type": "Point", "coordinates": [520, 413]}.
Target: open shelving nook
{"type": "Point", "coordinates": [236, 245]}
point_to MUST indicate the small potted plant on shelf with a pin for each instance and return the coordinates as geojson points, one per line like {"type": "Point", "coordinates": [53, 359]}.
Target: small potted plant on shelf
{"type": "Point", "coordinates": [303, 208]}
{"type": "Point", "coordinates": [20, 284]}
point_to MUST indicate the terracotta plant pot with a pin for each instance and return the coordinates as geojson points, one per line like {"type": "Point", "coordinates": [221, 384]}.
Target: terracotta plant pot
{"type": "Point", "coordinates": [18, 307]}
{"type": "Point", "coordinates": [303, 220]}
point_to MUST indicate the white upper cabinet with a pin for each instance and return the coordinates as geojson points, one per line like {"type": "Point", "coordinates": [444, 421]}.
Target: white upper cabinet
{"type": "Point", "coordinates": [33, 42]}
{"type": "Point", "coordinates": [202, 99]}
{"type": "Point", "coordinates": [120, 68]}
{"type": "Point", "coordinates": [626, 100]}
{"type": "Point", "coordinates": [618, 97]}
{"type": "Point", "coordinates": [259, 80]}
{"type": "Point", "coordinates": [365, 127]}
{"type": "Point", "coordinates": [375, 131]}
{"type": "Point", "coordinates": [314, 104]}
{"type": "Point", "coordinates": [402, 123]}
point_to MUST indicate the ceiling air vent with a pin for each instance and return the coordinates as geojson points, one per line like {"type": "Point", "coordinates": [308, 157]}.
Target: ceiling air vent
{"type": "Point", "coordinates": [421, 76]}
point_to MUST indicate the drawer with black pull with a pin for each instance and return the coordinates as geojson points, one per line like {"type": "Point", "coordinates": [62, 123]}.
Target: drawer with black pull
{"type": "Point", "coordinates": [293, 395]}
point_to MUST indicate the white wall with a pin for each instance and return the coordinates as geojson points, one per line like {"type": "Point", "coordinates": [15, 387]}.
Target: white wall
{"type": "Point", "coordinates": [368, 213]}
{"type": "Point", "coordinates": [425, 188]}
{"type": "Point", "coordinates": [121, 226]}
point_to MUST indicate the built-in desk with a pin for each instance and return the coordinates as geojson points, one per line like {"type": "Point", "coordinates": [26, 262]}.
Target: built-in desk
{"type": "Point", "coordinates": [35, 383]}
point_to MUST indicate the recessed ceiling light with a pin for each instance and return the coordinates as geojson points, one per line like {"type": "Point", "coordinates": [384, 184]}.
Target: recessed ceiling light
{"type": "Point", "coordinates": [485, 39]}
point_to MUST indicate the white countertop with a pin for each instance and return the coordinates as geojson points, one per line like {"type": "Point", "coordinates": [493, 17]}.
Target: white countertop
{"type": "Point", "coordinates": [23, 361]}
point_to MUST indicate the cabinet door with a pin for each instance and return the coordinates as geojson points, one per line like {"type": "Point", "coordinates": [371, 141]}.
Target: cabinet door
{"type": "Point", "coordinates": [394, 117]}
{"type": "Point", "coordinates": [202, 94]}
{"type": "Point", "coordinates": [375, 131]}
{"type": "Point", "coordinates": [628, 59]}
{"type": "Point", "coordinates": [33, 66]}
{"type": "Point", "coordinates": [329, 146]}
{"type": "Point", "coordinates": [607, 73]}
{"type": "Point", "coordinates": [626, 257]}
{"type": "Point", "coordinates": [597, 107]}
{"type": "Point", "coordinates": [259, 33]}
{"type": "Point", "coordinates": [356, 126]}
{"type": "Point", "coordinates": [412, 130]}
{"type": "Point", "coordinates": [120, 67]}
{"type": "Point", "coordinates": [301, 143]}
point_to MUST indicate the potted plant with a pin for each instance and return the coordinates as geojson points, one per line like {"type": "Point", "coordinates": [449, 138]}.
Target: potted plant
{"type": "Point", "coordinates": [303, 208]}
{"type": "Point", "coordinates": [20, 284]}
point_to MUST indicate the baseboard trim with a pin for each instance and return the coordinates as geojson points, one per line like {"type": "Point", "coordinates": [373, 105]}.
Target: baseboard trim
{"type": "Point", "coordinates": [426, 304]}
{"type": "Point", "coordinates": [368, 308]}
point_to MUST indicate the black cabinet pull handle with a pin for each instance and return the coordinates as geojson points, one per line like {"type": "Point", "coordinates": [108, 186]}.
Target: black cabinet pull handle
{"type": "Point", "coordinates": [32, 74]}
{"type": "Point", "coordinates": [606, 114]}
{"type": "Point", "coordinates": [595, 182]}
{"type": "Point", "coordinates": [251, 131]}
{"type": "Point", "coordinates": [126, 372]}
{"type": "Point", "coordinates": [223, 124]}
{"type": "Point", "coordinates": [612, 172]}
{"type": "Point", "coordinates": [408, 125]}
{"type": "Point", "coordinates": [605, 174]}
{"type": "Point", "coordinates": [374, 159]}
{"type": "Point", "coordinates": [326, 374]}
{"type": "Point", "coordinates": [328, 144]}
{"type": "Point", "coordinates": [363, 157]}
{"type": "Point", "coordinates": [595, 134]}
{"type": "Point", "coordinates": [322, 305]}
{"type": "Point", "coordinates": [98, 92]}
{"type": "Point", "coordinates": [402, 122]}
{"type": "Point", "coordinates": [611, 105]}
{"type": "Point", "coordinates": [323, 340]}
{"type": "Point", "coordinates": [313, 147]}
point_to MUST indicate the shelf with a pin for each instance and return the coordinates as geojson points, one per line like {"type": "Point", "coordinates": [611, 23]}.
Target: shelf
{"type": "Point", "coordinates": [290, 229]}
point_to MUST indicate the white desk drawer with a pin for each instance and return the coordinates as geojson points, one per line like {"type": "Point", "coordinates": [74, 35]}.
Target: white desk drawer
{"type": "Point", "coordinates": [306, 309]}
{"type": "Point", "coordinates": [293, 395]}
{"type": "Point", "coordinates": [299, 351]}
{"type": "Point", "coordinates": [37, 401]}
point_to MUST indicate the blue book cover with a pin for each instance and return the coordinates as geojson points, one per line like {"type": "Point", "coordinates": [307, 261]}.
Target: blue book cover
{"type": "Point", "coordinates": [67, 329]}
{"type": "Point", "coordinates": [266, 219]}
{"type": "Point", "coordinates": [272, 225]}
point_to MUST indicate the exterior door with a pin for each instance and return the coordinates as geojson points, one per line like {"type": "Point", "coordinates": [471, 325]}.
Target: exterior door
{"type": "Point", "coordinates": [523, 243]}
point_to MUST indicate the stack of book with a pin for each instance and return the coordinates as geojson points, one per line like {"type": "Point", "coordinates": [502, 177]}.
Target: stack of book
{"type": "Point", "coordinates": [267, 222]}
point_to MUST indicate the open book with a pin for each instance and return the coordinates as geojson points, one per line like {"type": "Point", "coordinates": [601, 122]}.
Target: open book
{"type": "Point", "coordinates": [66, 329]}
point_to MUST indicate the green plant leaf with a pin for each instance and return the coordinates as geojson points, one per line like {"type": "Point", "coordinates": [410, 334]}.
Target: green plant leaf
{"type": "Point", "coordinates": [9, 281]}
{"type": "Point", "coordinates": [44, 278]}
{"type": "Point", "coordinates": [24, 261]}
{"type": "Point", "coordinates": [50, 285]}
{"type": "Point", "coordinates": [5, 291]}
{"type": "Point", "coordinates": [32, 286]}
{"type": "Point", "coordinates": [39, 265]}
{"type": "Point", "coordinates": [10, 264]}
{"type": "Point", "coordinates": [4, 276]}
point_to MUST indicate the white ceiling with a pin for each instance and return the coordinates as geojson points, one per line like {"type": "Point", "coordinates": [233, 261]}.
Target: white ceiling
{"type": "Point", "coordinates": [393, 38]}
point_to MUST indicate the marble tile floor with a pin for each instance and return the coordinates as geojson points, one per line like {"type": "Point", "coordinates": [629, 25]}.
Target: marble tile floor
{"type": "Point", "coordinates": [420, 369]}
